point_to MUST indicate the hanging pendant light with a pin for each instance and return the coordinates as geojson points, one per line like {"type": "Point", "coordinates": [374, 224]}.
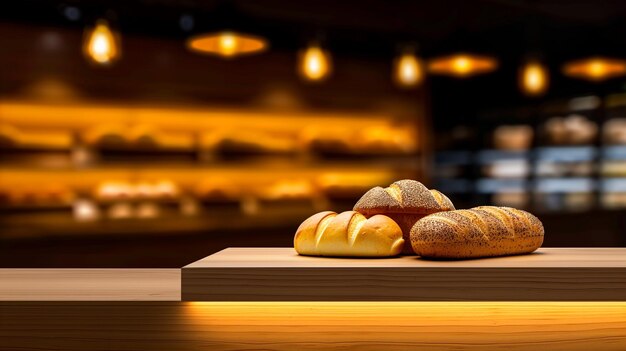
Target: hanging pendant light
{"type": "Point", "coordinates": [227, 44]}
{"type": "Point", "coordinates": [595, 68]}
{"type": "Point", "coordinates": [222, 34]}
{"type": "Point", "coordinates": [462, 65]}
{"type": "Point", "coordinates": [101, 45]}
{"type": "Point", "coordinates": [533, 78]}
{"type": "Point", "coordinates": [408, 70]}
{"type": "Point", "coordinates": [315, 63]}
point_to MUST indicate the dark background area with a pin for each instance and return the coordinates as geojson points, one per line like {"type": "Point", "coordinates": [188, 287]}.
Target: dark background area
{"type": "Point", "coordinates": [40, 48]}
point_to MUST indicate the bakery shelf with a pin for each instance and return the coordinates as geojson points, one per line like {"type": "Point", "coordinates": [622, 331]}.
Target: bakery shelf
{"type": "Point", "coordinates": [494, 185]}
{"type": "Point", "coordinates": [617, 152]}
{"type": "Point", "coordinates": [490, 156]}
{"type": "Point", "coordinates": [565, 153]}
{"type": "Point", "coordinates": [565, 185]}
{"type": "Point", "coordinates": [613, 185]}
{"type": "Point", "coordinates": [453, 158]}
{"type": "Point", "coordinates": [280, 274]}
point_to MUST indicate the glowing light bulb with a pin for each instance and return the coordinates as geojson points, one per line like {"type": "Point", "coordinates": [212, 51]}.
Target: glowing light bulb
{"type": "Point", "coordinates": [462, 65]}
{"type": "Point", "coordinates": [408, 71]}
{"type": "Point", "coordinates": [534, 79]}
{"type": "Point", "coordinates": [228, 44]}
{"type": "Point", "coordinates": [597, 69]}
{"type": "Point", "coordinates": [315, 64]}
{"type": "Point", "coordinates": [101, 45]}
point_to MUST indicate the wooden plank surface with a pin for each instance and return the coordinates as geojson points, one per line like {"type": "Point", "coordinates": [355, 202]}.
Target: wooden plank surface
{"type": "Point", "coordinates": [89, 284]}
{"type": "Point", "coordinates": [279, 274]}
{"type": "Point", "coordinates": [337, 326]}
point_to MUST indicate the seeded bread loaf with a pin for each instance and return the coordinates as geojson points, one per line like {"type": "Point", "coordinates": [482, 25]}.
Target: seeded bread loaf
{"type": "Point", "coordinates": [348, 234]}
{"type": "Point", "coordinates": [405, 201]}
{"type": "Point", "coordinates": [479, 232]}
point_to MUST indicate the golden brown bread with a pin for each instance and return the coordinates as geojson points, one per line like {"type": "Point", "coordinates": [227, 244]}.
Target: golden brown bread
{"type": "Point", "coordinates": [405, 201]}
{"type": "Point", "coordinates": [479, 232]}
{"type": "Point", "coordinates": [348, 234]}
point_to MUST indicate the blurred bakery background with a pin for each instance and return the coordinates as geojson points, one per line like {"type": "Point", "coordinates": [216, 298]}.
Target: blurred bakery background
{"type": "Point", "coordinates": [148, 133]}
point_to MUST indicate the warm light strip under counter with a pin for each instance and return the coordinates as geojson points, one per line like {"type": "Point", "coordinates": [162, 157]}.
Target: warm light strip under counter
{"type": "Point", "coordinates": [413, 325]}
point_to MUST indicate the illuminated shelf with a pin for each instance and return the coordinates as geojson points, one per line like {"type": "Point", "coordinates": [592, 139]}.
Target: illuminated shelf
{"type": "Point", "coordinates": [280, 274]}
{"type": "Point", "coordinates": [565, 154]}
{"type": "Point", "coordinates": [565, 185]}
{"type": "Point", "coordinates": [491, 156]}
{"type": "Point", "coordinates": [495, 185]}
{"type": "Point", "coordinates": [614, 153]}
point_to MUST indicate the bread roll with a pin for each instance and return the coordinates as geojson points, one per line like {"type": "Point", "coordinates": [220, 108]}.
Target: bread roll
{"type": "Point", "coordinates": [405, 201]}
{"type": "Point", "coordinates": [479, 232]}
{"type": "Point", "coordinates": [348, 234]}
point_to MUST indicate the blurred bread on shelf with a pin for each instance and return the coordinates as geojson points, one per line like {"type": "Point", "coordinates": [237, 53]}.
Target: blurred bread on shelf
{"type": "Point", "coordinates": [122, 190]}
{"type": "Point", "coordinates": [614, 131]}
{"type": "Point", "coordinates": [248, 141]}
{"type": "Point", "coordinates": [571, 130]}
{"type": "Point", "coordinates": [387, 140]}
{"type": "Point", "coordinates": [613, 200]}
{"type": "Point", "coordinates": [114, 191]}
{"type": "Point", "coordinates": [507, 169]}
{"type": "Point", "coordinates": [613, 168]}
{"type": "Point", "coordinates": [45, 194]}
{"type": "Point", "coordinates": [286, 190]}
{"type": "Point", "coordinates": [106, 135]}
{"type": "Point", "coordinates": [85, 210]}
{"type": "Point", "coordinates": [511, 199]}
{"type": "Point", "coordinates": [121, 210]}
{"type": "Point", "coordinates": [564, 169]}
{"type": "Point", "coordinates": [326, 140]}
{"type": "Point", "coordinates": [218, 190]}
{"type": "Point", "coordinates": [166, 189]}
{"type": "Point", "coordinates": [9, 135]}
{"type": "Point", "coordinates": [371, 140]}
{"type": "Point", "coordinates": [147, 210]}
{"type": "Point", "coordinates": [12, 137]}
{"type": "Point", "coordinates": [347, 186]}
{"type": "Point", "coordinates": [513, 137]}
{"type": "Point", "coordinates": [148, 136]}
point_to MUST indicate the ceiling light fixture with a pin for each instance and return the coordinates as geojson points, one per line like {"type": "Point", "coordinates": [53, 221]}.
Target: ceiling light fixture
{"type": "Point", "coordinates": [533, 78]}
{"type": "Point", "coordinates": [462, 65]}
{"type": "Point", "coordinates": [101, 45]}
{"type": "Point", "coordinates": [315, 63]}
{"type": "Point", "coordinates": [408, 70]}
{"type": "Point", "coordinates": [595, 68]}
{"type": "Point", "coordinates": [227, 44]}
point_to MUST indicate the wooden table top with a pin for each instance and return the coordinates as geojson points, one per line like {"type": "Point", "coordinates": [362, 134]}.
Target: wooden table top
{"type": "Point", "coordinates": [116, 309]}
{"type": "Point", "coordinates": [279, 274]}
{"type": "Point", "coordinates": [53, 284]}
{"type": "Point", "coordinates": [288, 258]}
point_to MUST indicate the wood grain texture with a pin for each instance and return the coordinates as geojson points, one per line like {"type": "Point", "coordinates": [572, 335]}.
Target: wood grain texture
{"type": "Point", "coordinates": [514, 326]}
{"type": "Point", "coordinates": [279, 274]}
{"type": "Point", "coordinates": [89, 284]}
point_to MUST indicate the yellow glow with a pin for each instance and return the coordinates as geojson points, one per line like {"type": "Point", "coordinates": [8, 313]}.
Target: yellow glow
{"type": "Point", "coordinates": [595, 69]}
{"type": "Point", "coordinates": [315, 64]}
{"type": "Point", "coordinates": [408, 71]}
{"type": "Point", "coordinates": [102, 45]}
{"type": "Point", "coordinates": [440, 325]}
{"type": "Point", "coordinates": [534, 78]}
{"type": "Point", "coordinates": [227, 44]}
{"type": "Point", "coordinates": [462, 65]}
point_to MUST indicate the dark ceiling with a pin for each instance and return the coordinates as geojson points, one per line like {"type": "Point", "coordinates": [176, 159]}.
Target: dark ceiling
{"type": "Point", "coordinates": [506, 27]}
